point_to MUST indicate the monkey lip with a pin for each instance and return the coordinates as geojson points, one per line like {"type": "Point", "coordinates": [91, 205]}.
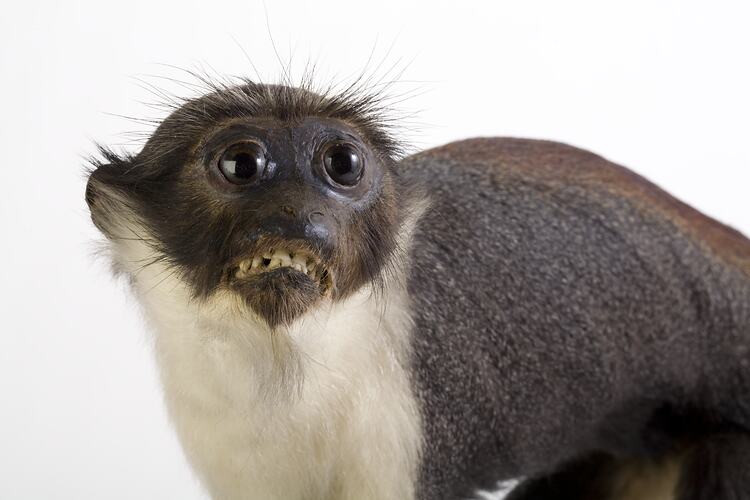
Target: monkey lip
{"type": "Point", "coordinates": [280, 258]}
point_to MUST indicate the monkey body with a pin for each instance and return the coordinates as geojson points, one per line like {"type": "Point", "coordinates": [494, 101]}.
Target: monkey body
{"type": "Point", "coordinates": [563, 307]}
{"type": "Point", "coordinates": [487, 310]}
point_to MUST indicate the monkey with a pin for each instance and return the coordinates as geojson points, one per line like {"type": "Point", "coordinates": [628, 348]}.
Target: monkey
{"type": "Point", "coordinates": [334, 319]}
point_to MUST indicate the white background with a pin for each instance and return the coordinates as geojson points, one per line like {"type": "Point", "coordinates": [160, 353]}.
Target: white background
{"type": "Point", "coordinates": [662, 87]}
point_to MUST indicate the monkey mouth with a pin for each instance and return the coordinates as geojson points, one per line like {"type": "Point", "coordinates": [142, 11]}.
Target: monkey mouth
{"type": "Point", "coordinates": [278, 261]}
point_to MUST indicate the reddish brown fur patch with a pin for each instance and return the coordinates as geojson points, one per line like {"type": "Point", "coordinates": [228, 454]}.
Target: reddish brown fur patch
{"type": "Point", "coordinates": [556, 163]}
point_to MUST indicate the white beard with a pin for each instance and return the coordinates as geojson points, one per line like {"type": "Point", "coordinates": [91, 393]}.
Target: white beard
{"type": "Point", "coordinates": [322, 409]}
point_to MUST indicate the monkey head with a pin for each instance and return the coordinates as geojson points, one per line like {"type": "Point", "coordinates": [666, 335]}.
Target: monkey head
{"type": "Point", "coordinates": [282, 196]}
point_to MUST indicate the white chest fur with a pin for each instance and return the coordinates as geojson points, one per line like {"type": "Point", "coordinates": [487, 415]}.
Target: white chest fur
{"type": "Point", "coordinates": [321, 410]}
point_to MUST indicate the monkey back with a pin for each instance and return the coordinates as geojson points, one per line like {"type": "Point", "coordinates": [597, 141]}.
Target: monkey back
{"type": "Point", "coordinates": [563, 305]}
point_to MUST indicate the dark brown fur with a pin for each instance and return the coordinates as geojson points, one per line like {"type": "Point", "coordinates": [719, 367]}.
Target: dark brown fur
{"type": "Point", "coordinates": [567, 164]}
{"type": "Point", "coordinates": [571, 319]}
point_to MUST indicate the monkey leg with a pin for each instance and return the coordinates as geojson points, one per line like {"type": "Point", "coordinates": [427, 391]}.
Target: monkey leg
{"type": "Point", "coordinates": [588, 478]}
{"type": "Point", "coordinates": [602, 477]}
{"type": "Point", "coordinates": [717, 469]}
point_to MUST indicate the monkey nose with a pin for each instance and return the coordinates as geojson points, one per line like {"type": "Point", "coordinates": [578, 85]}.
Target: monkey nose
{"type": "Point", "coordinates": [316, 227]}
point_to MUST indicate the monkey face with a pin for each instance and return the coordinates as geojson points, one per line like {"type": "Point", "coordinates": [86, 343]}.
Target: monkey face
{"type": "Point", "coordinates": [283, 209]}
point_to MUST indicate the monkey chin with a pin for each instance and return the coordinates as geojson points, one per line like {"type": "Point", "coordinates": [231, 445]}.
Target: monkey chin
{"type": "Point", "coordinates": [280, 296]}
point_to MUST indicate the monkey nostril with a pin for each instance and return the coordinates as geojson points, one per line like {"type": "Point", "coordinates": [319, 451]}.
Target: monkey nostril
{"type": "Point", "coordinates": [320, 228]}
{"type": "Point", "coordinates": [315, 217]}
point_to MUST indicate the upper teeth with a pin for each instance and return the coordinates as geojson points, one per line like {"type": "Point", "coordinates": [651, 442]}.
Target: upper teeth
{"type": "Point", "coordinates": [279, 258]}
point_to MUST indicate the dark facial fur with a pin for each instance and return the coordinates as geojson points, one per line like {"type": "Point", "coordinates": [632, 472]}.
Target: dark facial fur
{"type": "Point", "coordinates": [204, 227]}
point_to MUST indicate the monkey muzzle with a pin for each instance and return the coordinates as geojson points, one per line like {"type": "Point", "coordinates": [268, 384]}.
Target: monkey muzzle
{"type": "Point", "coordinates": [284, 266]}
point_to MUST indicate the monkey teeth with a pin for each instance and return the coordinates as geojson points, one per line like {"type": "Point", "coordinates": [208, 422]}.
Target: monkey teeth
{"type": "Point", "coordinates": [281, 258]}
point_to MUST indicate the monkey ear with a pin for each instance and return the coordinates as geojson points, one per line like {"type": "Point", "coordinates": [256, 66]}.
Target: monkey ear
{"type": "Point", "coordinates": [93, 187]}
{"type": "Point", "coordinates": [106, 192]}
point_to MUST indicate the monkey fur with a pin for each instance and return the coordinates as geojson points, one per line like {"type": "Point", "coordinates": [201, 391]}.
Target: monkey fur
{"type": "Point", "coordinates": [333, 322]}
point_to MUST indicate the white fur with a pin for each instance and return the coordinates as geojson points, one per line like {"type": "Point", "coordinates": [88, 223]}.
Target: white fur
{"type": "Point", "coordinates": [320, 410]}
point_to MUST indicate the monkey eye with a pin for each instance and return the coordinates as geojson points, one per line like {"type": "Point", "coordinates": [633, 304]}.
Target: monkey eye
{"type": "Point", "coordinates": [243, 163]}
{"type": "Point", "coordinates": [343, 164]}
